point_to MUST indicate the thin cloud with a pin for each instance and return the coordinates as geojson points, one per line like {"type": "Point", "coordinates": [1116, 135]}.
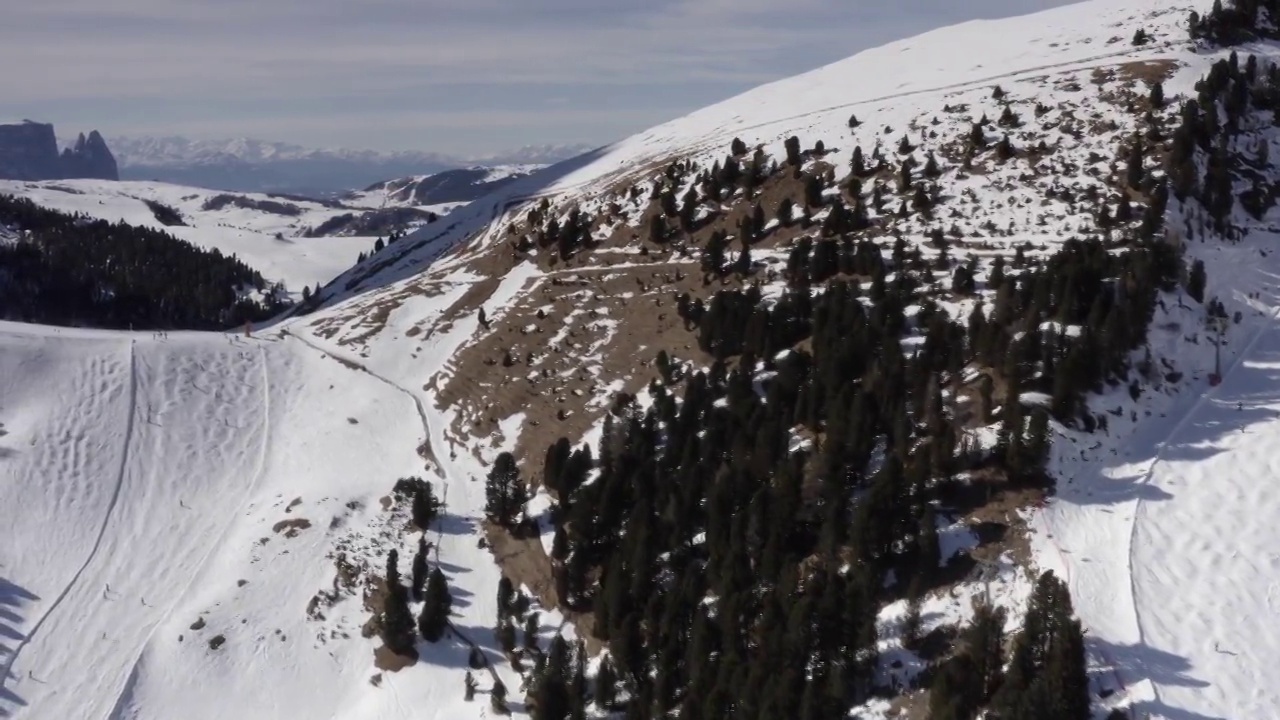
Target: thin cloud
{"type": "Point", "coordinates": [279, 68]}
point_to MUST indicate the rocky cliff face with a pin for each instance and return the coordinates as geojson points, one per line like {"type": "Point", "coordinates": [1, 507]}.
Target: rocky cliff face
{"type": "Point", "coordinates": [90, 158]}
{"type": "Point", "coordinates": [29, 151]}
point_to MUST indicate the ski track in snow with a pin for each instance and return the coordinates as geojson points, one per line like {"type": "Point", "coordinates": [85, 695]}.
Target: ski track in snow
{"type": "Point", "coordinates": [1265, 328]}
{"type": "Point", "coordinates": [102, 529]}
{"type": "Point", "coordinates": [122, 696]}
{"type": "Point", "coordinates": [435, 466]}
{"type": "Point", "coordinates": [1213, 525]}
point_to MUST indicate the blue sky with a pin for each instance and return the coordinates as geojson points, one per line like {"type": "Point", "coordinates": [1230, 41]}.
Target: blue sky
{"type": "Point", "coordinates": [458, 76]}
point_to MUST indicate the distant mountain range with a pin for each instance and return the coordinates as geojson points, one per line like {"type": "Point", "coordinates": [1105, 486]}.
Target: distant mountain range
{"type": "Point", "coordinates": [460, 185]}
{"type": "Point", "coordinates": [249, 165]}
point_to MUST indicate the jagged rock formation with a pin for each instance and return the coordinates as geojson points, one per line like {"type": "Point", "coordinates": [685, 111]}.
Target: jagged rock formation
{"type": "Point", "coordinates": [90, 158]}
{"type": "Point", "coordinates": [29, 151]}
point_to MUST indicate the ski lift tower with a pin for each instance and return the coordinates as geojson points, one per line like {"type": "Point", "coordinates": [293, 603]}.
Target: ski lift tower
{"type": "Point", "coordinates": [1218, 324]}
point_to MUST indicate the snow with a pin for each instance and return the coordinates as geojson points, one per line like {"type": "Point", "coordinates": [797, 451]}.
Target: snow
{"type": "Point", "coordinates": [177, 151]}
{"type": "Point", "coordinates": [1169, 542]}
{"type": "Point", "coordinates": [159, 465]}
{"type": "Point", "coordinates": [249, 234]}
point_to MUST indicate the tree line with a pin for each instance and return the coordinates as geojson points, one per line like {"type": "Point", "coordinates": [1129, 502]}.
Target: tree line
{"type": "Point", "coordinates": [75, 270]}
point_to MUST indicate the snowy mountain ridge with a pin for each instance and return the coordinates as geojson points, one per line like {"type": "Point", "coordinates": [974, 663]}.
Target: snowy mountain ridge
{"type": "Point", "coordinates": [162, 151]}
{"type": "Point", "coordinates": [232, 496]}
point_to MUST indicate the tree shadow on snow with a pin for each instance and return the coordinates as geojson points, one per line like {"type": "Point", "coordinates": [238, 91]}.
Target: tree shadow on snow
{"type": "Point", "coordinates": [450, 569]}
{"type": "Point", "coordinates": [1203, 426]}
{"type": "Point", "coordinates": [1139, 663]}
{"type": "Point", "coordinates": [449, 524]}
{"type": "Point", "coordinates": [12, 598]}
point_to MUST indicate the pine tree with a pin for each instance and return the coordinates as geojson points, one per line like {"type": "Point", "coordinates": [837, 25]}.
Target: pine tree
{"type": "Point", "coordinates": [498, 699]}
{"type": "Point", "coordinates": [551, 699]}
{"type": "Point", "coordinates": [397, 621]}
{"type": "Point", "coordinates": [425, 505]}
{"type": "Point", "coordinates": [393, 569]}
{"type": "Point", "coordinates": [913, 623]}
{"type": "Point", "coordinates": [505, 493]}
{"type": "Point", "coordinates": [1196, 280]}
{"type": "Point", "coordinates": [436, 604]}
{"type": "Point", "coordinates": [792, 146]}
{"type": "Point", "coordinates": [505, 634]}
{"type": "Point", "coordinates": [1047, 677]}
{"type": "Point", "coordinates": [419, 575]}
{"type": "Point", "coordinates": [927, 546]}
{"type": "Point", "coordinates": [531, 631]}
{"type": "Point", "coordinates": [606, 689]}
{"type": "Point", "coordinates": [785, 212]}
{"type": "Point", "coordinates": [984, 643]}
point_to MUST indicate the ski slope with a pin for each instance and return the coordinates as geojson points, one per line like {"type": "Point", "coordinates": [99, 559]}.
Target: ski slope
{"type": "Point", "coordinates": [1205, 559]}
{"type": "Point", "coordinates": [143, 477]}
{"type": "Point", "coordinates": [1168, 539]}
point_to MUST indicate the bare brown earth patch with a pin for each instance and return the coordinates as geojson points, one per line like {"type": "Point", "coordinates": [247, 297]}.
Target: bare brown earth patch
{"type": "Point", "coordinates": [1147, 71]}
{"type": "Point", "coordinates": [367, 320]}
{"type": "Point", "coordinates": [291, 528]}
{"type": "Point", "coordinates": [384, 659]}
{"type": "Point", "coordinates": [567, 348]}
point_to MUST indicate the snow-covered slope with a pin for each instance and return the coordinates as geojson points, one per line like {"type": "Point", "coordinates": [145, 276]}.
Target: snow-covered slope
{"type": "Point", "coordinates": [149, 482]}
{"type": "Point", "coordinates": [264, 231]}
{"type": "Point", "coordinates": [442, 192]}
{"type": "Point", "coordinates": [164, 466]}
{"type": "Point", "coordinates": [1165, 659]}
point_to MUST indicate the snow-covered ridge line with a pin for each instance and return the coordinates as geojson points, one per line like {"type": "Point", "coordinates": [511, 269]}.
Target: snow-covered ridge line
{"type": "Point", "coordinates": [177, 151]}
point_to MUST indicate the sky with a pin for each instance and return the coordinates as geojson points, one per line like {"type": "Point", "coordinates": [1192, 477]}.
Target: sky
{"type": "Point", "coordinates": [454, 76]}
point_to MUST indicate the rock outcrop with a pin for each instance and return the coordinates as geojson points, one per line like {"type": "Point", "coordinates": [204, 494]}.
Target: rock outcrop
{"type": "Point", "coordinates": [89, 158]}
{"type": "Point", "coordinates": [29, 151]}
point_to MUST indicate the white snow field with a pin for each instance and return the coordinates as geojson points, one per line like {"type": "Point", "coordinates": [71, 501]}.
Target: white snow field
{"type": "Point", "coordinates": [248, 233]}
{"type": "Point", "coordinates": [1168, 535]}
{"type": "Point", "coordinates": [140, 481]}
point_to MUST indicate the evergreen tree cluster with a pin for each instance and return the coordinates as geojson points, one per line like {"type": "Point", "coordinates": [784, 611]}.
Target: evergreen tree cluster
{"type": "Point", "coordinates": [396, 623]}
{"type": "Point", "coordinates": [1207, 153]}
{"type": "Point", "coordinates": [1236, 21]}
{"type": "Point", "coordinates": [71, 269]}
{"type": "Point", "coordinates": [731, 576]}
{"type": "Point", "coordinates": [735, 572]}
{"type": "Point", "coordinates": [1046, 677]}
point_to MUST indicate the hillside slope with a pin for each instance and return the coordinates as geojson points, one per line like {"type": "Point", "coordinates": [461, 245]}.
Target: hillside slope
{"type": "Point", "coordinates": [270, 233]}
{"type": "Point", "coordinates": [451, 188]}
{"type": "Point", "coordinates": [634, 300]}
{"type": "Point", "coordinates": [182, 500]}
{"type": "Point", "coordinates": [1077, 82]}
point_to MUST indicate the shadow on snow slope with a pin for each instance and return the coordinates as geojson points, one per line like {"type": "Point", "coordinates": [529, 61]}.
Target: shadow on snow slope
{"type": "Point", "coordinates": [1112, 559]}
{"type": "Point", "coordinates": [12, 598]}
